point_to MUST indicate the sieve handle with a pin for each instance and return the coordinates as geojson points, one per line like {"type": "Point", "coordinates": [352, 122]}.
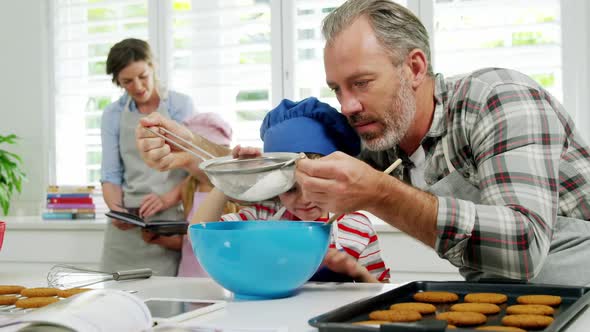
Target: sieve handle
{"type": "Point", "coordinates": [206, 154]}
{"type": "Point", "coordinates": [132, 274]}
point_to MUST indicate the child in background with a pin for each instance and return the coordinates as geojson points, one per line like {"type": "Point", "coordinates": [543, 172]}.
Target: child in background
{"type": "Point", "coordinates": [316, 129]}
{"type": "Point", "coordinates": [194, 190]}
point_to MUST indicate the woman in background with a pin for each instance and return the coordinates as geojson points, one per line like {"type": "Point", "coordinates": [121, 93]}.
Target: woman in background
{"type": "Point", "coordinates": [128, 185]}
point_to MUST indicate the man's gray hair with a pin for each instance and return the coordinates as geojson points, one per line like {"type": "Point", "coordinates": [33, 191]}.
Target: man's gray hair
{"type": "Point", "coordinates": [396, 27]}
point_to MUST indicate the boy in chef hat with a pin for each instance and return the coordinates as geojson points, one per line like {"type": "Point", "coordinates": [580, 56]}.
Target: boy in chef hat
{"type": "Point", "coordinates": [317, 129]}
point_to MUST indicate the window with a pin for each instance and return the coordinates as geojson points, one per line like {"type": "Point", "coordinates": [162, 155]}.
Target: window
{"type": "Point", "coordinates": [483, 33]}
{"type": "Point", "coordinates": [221, 57]}
{"type": "Point", "coordinates": [238, 58]}
{"type": "Point", "coordinates": [84, 31]}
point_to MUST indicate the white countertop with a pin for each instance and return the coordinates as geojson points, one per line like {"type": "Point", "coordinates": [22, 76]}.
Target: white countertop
{"type": "Point", "coordinates": [292, 312]}
{"type": "Point", "coordinates": [38, 223]}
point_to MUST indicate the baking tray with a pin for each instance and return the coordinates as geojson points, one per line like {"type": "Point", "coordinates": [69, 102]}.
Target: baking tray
{"type": "Point", "coordinates": [574, 301]}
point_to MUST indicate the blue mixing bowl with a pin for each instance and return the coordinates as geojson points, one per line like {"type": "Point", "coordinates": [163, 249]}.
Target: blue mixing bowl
{"type": "Point", "coordinates": [260, 259]}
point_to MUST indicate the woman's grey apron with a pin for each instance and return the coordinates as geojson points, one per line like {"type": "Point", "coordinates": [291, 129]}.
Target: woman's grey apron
{"type": "Point", "coordinates": [126, 249]}
{"type": "Point", "coordinates": [568, 256]}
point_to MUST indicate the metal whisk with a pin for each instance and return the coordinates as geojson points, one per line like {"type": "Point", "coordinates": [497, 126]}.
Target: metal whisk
{"type": "Point", "coordinates": [67, 276]}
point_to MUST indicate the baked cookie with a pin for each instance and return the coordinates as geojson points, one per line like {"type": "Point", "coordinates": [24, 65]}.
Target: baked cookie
{"type": "Point", "coordinates": [422, 308]}
{"type": "Point", "coordinates": [35, 302]}
{"type": "Point", "coordinates": [483, 308]}
{"type": "Point", "coordinates": [462, 318]}
{"type": "Point", "coordinates": [395, 315]}
{"type": "Point", "coordinates": [371, 322]}
{"type": "Point", "coordinates": [551, 300]}
{"type": "Point", "coordinates": [495, 298]}
{"type": "Point", "coordinates": [8, 299]}
{"type": "Point", "coordinates": [71, 291]}
{"type": "Point", "coordinates": [39, 292]}
{"type": "Point", "coordinates": [527, 321]}
{"type": "Point", "coordinates": [10, 289]}
{"type": "Point", "coordinates": [530, 309]}
{"type": "Point", "coordinates": [436, 297]}
{"type": "Point", "coordinates": [500, 328]}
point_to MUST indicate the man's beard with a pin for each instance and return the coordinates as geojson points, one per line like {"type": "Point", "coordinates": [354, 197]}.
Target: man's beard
{"type": "Point", "coordinates": [396, 121]}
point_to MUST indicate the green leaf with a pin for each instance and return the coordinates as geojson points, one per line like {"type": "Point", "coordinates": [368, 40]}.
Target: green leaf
{"type": "Point", "coordinates": [11, 174]}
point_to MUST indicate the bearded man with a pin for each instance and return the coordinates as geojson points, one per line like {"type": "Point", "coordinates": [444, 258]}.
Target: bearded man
{"type": "Point", "coordinates": [495, 175]}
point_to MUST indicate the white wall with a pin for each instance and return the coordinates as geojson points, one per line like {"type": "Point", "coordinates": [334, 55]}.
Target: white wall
{"type": "Point", "coordinates": [24, 78]}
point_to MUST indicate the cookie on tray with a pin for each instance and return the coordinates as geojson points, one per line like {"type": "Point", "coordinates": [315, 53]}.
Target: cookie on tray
{"type": "Point", "coordinates": [495, 298]}
{"type": "Point", "coordinates": [550, 300]}
{"type": "Point", "coordinates": [422, 308]}
{"type": "Point", "coordinates": [500, 328]}
{"type": "Point", "coordinates": [462, 318]}
{"type": "Point", "coordinates": [395, 315]}
{"type": "Point", "coordinates": [482, 308]}
{"type": "Point", "coordinates": [530, 309]}
{"type": "Point", "coordinates": [527, 321]}
{"type": "Point", "coordinates": [371, 322]}
{"type": "Point", "coordinates": [436, 297]}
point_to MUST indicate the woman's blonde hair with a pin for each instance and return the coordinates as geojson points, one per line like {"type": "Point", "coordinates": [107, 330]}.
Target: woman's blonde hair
{"type": "Point", "coordinates": [188, 194]}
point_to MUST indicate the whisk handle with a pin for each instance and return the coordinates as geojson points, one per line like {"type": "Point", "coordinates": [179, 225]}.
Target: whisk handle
{"type": "Point", "coordinates": [132, 274]}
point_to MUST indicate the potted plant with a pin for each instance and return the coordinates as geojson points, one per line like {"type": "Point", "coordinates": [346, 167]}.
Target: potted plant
{"type": "Point", "coordinates": [11, 174]}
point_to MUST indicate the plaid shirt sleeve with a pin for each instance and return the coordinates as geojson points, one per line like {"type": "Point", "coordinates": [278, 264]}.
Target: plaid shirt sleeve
{"type": "Point", "coordinates": [515, 135]}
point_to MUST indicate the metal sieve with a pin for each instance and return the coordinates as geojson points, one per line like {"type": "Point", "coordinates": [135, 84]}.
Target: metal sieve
{"type": "Point", "coordinates": [254, 179]}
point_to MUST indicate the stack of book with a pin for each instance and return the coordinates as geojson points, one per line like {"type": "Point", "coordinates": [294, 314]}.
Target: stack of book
{"type": "Point", "coordinates": [70, 202]}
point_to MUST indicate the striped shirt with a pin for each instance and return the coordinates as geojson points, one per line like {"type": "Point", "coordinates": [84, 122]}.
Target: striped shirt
{"type": "Point", "coordinates": [354, 234]}
{"type": "Point", "coordinates": [515, 142]}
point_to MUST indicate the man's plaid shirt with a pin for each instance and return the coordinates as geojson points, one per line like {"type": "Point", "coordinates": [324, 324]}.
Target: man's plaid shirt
{"type": "Point", "coordinates": [516, 143]}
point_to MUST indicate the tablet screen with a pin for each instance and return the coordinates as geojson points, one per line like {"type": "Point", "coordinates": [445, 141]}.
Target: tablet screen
{"type": "Point", "coordinates": [172, 308]}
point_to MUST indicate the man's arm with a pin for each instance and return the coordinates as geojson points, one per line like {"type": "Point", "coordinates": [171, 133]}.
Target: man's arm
{"type": "Point", "coordinates": [160, 155]}
{"type": "Point", "coordinates": [340, 183]}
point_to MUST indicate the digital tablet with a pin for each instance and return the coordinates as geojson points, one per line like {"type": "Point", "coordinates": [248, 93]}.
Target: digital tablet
{"type": "Point", "coordinates": [162, 227]}
{"type": "Point", "coordinates": [178, 310]}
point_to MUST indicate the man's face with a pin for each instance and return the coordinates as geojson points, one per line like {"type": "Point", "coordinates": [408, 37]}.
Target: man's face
{"type": "Point", "coordinates": [375, 95]}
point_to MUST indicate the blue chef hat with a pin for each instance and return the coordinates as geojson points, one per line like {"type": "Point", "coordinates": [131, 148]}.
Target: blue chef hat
{"type": "Point", "coordinates": [308, 126]}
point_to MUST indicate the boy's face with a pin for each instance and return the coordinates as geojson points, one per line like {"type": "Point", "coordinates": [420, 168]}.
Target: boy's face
{"type": "Point", "coordinates": [302, 209]}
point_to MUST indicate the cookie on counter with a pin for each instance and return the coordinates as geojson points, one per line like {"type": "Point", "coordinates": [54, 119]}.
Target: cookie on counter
{"type": "Point", "coordinates": [8, 299]}
{"type": "Point", "coordinates": [10, 289]}
{"type": "Point", "coordinates": [35, 302]}
{"type": "Point", "coordinates": [39, 292]}
{"type": "Point", "coordinates": [71, 292]}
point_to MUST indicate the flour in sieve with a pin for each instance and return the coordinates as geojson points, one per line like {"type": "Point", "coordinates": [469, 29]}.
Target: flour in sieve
{"type": "Point", "coordinates": [270, 185]}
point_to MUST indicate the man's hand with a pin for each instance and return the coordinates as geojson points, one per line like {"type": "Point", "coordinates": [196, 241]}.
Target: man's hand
{"type": "Point", "coordinates": [338, 182]}
{"type": "Point", "coordinates": [155, 151]}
